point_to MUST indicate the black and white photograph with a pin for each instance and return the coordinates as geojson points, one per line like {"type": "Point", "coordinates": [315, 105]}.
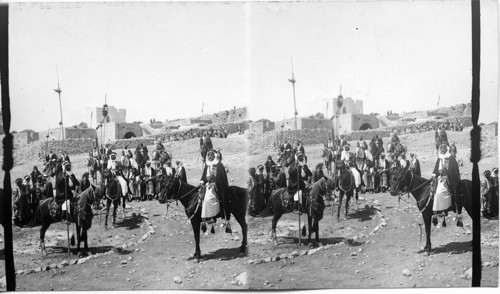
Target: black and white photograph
{"type": "Point", "coordinates": [246, 145]}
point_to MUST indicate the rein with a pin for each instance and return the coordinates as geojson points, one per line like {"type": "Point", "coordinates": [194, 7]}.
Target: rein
{"type": "Point", "coordinates": [428, 198]}
{"type": "Point", "coordinates": [344, 189]}
{"type": "Point", "coordinates": [185, 195]}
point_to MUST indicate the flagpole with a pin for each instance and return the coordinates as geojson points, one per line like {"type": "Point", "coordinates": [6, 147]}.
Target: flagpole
{"type": "Point", "coordinates": [58, 91]}
{"type": "Point", "coordinates": [292, 80]}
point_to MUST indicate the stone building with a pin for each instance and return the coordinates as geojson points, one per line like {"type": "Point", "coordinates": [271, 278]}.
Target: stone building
{"type": "Point", "coordinates": [349, 116]}
{"type": "Point", "coordinates": [261, 126]}
{"type": "Point", "coordinates": [304, 123]}
{"type": "Point", "coordinates": [69, 133]}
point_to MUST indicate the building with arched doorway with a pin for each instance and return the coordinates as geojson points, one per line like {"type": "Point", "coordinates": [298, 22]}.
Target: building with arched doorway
{"type": "Point", "coordinates": [348, 116]}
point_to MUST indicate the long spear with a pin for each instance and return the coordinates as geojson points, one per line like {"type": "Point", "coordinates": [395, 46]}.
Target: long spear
{"type": "Point", "coordinates": [292, 80]}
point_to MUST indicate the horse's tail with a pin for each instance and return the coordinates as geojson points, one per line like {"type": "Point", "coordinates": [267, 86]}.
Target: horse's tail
{"type": "Point", "coordinates": [37, 217]}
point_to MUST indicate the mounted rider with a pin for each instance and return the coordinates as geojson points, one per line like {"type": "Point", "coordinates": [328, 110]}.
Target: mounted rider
{"type": "Point", "coordinates": [446, 177]}
{"type": "Point", "coordinates": [298, 173]}
{"type": "Point", "coordinates": [214, 189]}
{"type": "Point", "coordinates": [66, 183]}
{"type": "Point", "coordinates": [277, 178]}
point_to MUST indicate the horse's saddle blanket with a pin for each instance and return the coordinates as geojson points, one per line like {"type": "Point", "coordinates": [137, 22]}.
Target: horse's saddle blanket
{"type": "Point", "coordinates": [287, 200]}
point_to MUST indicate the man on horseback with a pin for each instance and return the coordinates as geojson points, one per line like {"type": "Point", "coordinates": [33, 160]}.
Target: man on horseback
{"type": "Point", "coordinates": [415, 164]}
{"type": "Point", "coordinates": [66, 183]}
{"type": "Point", "coordinates": [214, 186]}
{"type": "Point", "coordinates": [446, 176]}
{"type": "Point", "coordinates": [298, 174]}
{"type": "Point", "coordinates": [277, 179]}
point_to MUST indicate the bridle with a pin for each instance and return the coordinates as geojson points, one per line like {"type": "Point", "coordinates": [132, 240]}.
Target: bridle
{"type": "Point", "coordinates": [407, 188]}
{"type": "Point", "coordinates": [196, 202]}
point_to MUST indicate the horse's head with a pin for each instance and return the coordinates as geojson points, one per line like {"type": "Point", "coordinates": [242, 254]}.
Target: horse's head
{"type": "Point", "coordinates": [171, 190]}
{"type": "Point", "coordinates": [340, 165]}
{"type": "Point", "coordinates": [400, 180]}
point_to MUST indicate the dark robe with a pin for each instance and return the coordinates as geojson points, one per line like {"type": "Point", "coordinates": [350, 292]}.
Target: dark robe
{"type": "Point", "coordinates": [182, 174]}
{"type": "Point", "coordinates": [208, 143]}
{"type": "Point", "coordinates": [285, 147]}
{"type": "Point", "coordinates": [34, 175]}
{"type": "Point", "coordinates": [416, 167]}
{"type": "Point", "coordinates": [220, 180]}
{"type": "Point", "coordinates": [84, 184]}
{"type": "Point", "coordinates": [317, 175]}
{"type": "Point", "coordinates": [62, 182]}
{"type": "Point", "coordinates": [295, 180]}
{"type": "Point", "coordinates": [47, 190]}
{"type": "Point", "coordinates": [268, 165]}
{"type": "Point", "coordinates": [278, 180]}
{"type": "Point", "coordinates": [453, 175]}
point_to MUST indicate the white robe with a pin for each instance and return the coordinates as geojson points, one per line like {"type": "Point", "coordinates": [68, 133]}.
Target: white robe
{"type": "Point", "coordinates": [210, 206]}
{"type": "Point", "coordinates": [442, 198]}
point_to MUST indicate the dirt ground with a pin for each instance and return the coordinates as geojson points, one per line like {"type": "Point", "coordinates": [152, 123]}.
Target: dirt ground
{"type": "Point", "coordinates": [378, 246]}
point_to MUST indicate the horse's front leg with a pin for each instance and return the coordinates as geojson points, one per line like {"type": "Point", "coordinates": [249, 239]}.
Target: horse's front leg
{"type": "Point", "coordinates": [196, 230]}
{"type": "Point", "coordinates": [108, 204]}
{"type": "Point", "coordinates": [276, 217]}
{"type": "Point", "coordinates": [78, 238]}
{"type": "Point", "coordinates": [115, 208]}
{"type": "Point", "coordinates": [310, 229]}
{"type": "Point", "coordinates": [341, 196]}
{"type": "Point", "coordinates": [316, 231]}
{"type": "Point", "coordinates": [347, 200]}
{"type": "Point", "coordinates": [43, 229]}
{"type": "Point", "coordinates": [85, 241]}
{"type": "Point", "coordinates": [356, 198]}
{"type": "Point", "coordinates": [427, 215]}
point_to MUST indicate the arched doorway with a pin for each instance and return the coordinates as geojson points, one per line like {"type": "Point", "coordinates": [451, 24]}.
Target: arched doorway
{"type": "Point", "coordinates": [129, 135]}
{"type": "Point", "coordinates": [365, 126]}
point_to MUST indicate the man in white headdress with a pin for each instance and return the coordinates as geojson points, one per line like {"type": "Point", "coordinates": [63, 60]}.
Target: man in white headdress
{"type": "Point", "coordinates": [215, 186]}
{"type": "Point", "coordinates": [446, 189]}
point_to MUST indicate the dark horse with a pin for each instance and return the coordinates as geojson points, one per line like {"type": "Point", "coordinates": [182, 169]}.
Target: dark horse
{"type": "Point", "coordinates": [81, 214]}
{"type": "Point", "coordinates": [404, 180]}
{"type": "Point", "coordinates": [347, 186]}
{"type": "Point", "coordinates": [189, 196]}
{"type": "Point", "coordinates": [113, 193]}
{"type": "Point", "coordinates": [281, 202]}
{"type": "Point", "coordinates": [50, 168]}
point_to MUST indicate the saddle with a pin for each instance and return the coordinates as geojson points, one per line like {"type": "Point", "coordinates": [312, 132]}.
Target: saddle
{"type": "Point", "coordinates": [56, 208]}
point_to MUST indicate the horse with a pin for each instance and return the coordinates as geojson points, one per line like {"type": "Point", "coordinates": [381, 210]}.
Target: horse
{"type": "Point", "coordinates": [347, 186]}
{"type": "Point", "coordinates": [94, 168]}
{"type": "Point", "coordinates": [113, 193]}
{"type": "Point", "coordinates": [404, 180]}
{"type": "Point", "coordinates": [327, 156]}
{"type": "Point", "coordinates": [285, 158]}
{"type": "Point", "coordinates": [281, 202]}
{"type": "Point", "coordinates": [397, 149]}
{"type": "Point", "coordinates": [190, 198]}
{"type": "Point", "coordinates": [48, 212]}
{"type": "Point", "coordinates": [50, 168]}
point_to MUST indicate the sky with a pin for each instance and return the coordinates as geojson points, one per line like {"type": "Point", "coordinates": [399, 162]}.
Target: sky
{"type": "Point", "coordinates": [164, 60]}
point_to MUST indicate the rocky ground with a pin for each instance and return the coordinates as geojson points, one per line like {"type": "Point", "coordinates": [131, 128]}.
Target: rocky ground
{"type": "Point", "coordinates": [378, 246]}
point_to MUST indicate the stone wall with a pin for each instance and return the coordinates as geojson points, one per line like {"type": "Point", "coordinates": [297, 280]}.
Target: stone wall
{"type": "Point", "coordinates": [37, 150]}
{"type": "Point", "coordinates": [271, 140]}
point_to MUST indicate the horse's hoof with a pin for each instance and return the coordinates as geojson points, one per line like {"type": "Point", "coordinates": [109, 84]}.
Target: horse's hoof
{"type": "Point", "coordinates": [243, 249]}
{"type": "Point", "coordinates": [212, 230]}
{"type": "Point", "coordinates": [203, 227]}
{"type": "Point", "coordinates": [310, 245]}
